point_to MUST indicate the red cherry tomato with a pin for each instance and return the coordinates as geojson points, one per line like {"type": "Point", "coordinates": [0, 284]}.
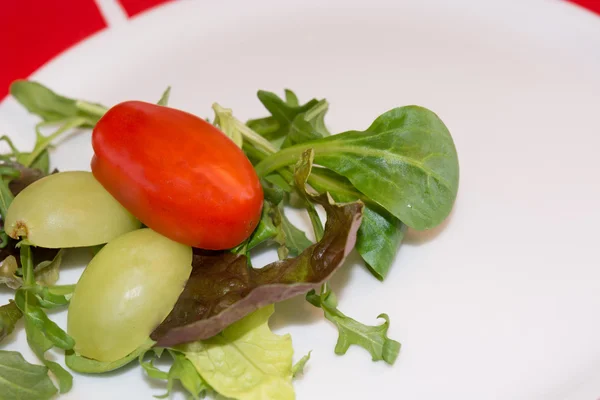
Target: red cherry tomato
{"type": "Point", "coordinates": [178, 174]}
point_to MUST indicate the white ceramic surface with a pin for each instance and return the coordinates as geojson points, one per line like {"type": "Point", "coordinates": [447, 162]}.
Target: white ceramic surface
{"type": "Point", "coordinates": [501, 302]}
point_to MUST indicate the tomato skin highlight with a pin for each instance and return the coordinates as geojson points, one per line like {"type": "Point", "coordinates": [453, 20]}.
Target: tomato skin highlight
{"type": "Point", "coordinates": [178, 174]}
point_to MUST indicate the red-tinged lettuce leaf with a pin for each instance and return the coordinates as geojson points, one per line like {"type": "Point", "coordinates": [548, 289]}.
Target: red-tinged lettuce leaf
{"type": "Point", "coordinates": [223, 288]}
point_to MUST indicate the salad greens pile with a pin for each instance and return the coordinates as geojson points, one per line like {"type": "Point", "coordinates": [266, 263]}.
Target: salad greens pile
{"type": "Point", "coordinates": [401, 172]}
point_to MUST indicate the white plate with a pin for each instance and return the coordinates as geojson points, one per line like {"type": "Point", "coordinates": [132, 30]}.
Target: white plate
{"type": "Point", "coordinates": [503, 301]}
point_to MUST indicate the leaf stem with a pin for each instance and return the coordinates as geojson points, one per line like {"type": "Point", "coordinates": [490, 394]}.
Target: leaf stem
{"type": "Point", "coordinates": [27, 263]}
{"type": "Point", "coordinates": [43, 143]}
{"type": "Point", "coordinates": [91, 108]}
{"type": "Point", "coordinates": [14, 149]}
{"type": "Point", "coordinates": [282, 158]}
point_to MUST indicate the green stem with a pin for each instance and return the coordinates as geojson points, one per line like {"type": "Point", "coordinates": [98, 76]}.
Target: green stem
{"type": "Point", "coordinates": [43, 143]}
{"type": "Point", "coordinates": [315, 179]}
{"type": "Point", "coordinates": [94, 109]}
{"type": "Point", "coordinates": [62, 289]}
{"type": "Point", "coordinates": [282, 158]}
{"type": "Point", "coordinates": [14, 149]}
{"type": "Point", "coordinates": [27, 263]}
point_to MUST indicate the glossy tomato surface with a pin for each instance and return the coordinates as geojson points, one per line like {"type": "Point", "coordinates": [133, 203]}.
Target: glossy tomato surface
{"type": "Point", "coordinates": [178, 174]}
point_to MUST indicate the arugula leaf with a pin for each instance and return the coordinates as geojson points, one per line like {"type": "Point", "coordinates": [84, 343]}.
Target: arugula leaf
{"type": "Point", "coordinates": [164, 99]}
{"type": "Point", "coordinates": [246, 361]}
{"type": "Point", "coordinates": [290, 98]}
{"type": "Point", "coordinates": [86, 365]}
{"type": "Point", "coordinates": [351, 332]}
{"type": "Point", "coordinates": [298, 368]}
{"type": "Point", "coordinates": [309, 125]}
{"type": "Point", "coordinates": [405, 161]}
{"type": "Point", "coordinates": [40, 344]}
{"type": "Point", "coordinates": [222, 289]}
{"type": "Point", "coordinates": [283, 112]}
{"type": "Point", "coordinates": [6, 197]}
{"type": "Point", "coordinates": [9, 315]}
{"type": "Point", "coordinates": [22, 380]}
{"type": "Point", "coordinates": [52, 107]}
{"type": "Point", "coordinates": [42, 333]}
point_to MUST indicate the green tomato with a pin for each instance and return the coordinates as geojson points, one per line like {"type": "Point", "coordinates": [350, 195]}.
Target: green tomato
{"type": "Point", "coordinates": [67, 209]}
{"type": "Point", "coordinates": [125, 292]}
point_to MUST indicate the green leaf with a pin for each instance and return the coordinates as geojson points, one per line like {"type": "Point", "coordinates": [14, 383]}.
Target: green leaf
{"type": "Point", "coordinates": [164, 99]}
{"type": "Point", "coordinates": [64, 378]}
{"type": "Point", "coordinates": [184, 371]}
{"type": "Point", "coordinates": [181, 370]}
{"type": "Point", "coordinates": [42, 333]}
{"type": "Point", "coordinates": [266, 127]}
{"type": "Point", "coordinates": [49, 300]}
{"type": "Point", "coordinates": [246, 361]}
{"type": "Point", "coordinates": [43, 142]}
{"type": "Point", "coordinates": [378, 239]}
{"type": "Point", "coordinates": [150, 369]}
{"type": "Point", "coordinates": [265, 230]}
{"type": "Point", "coordinates": [380, 233]}
{"type": "Point", "coordinates": [405, 161]}
{"type": "Point", "coordinates": [283, 113]}
{"type": "Point", "coordinates": [88, 366]}
{"type": "Point", "coordinates": [351, 332]}
{"type": "Point", "coordinates": [9, 315]}
{"type": "Point", "coordinates": [298, 368]}
{"type": "Point", "coordinates": [40, 100]}
{"type": "Point", "coordinates": [6, 197]}
{"type": "Point", "coordinates": [278, 181]}
{"type": "Point", "coordinates": [292, 240]}
{"type": "Point", "coordinates": [29, 306]}
{"type": "Point", "coordinates": [40, 344]}
{"type": "Point", "coordinates": [42, 162]}
{"type": "Point", "coordinates": [22, 380]}
{"type": "Point", "coordinates": [308, 126]}
{"type": "Point", "coordinates": [291, 99]}
{"type": "Point", "coordinates": [223, 288]}
{"type": "Point", "coordinates": [52, 107]}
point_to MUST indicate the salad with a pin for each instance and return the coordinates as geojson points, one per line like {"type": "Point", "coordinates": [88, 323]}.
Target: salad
{"type": "Point", "coordinates": [173, 210]}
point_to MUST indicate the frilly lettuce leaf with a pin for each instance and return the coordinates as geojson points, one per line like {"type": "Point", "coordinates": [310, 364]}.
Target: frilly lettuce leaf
{"type": "Point", "coordinates": [246, 361]}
